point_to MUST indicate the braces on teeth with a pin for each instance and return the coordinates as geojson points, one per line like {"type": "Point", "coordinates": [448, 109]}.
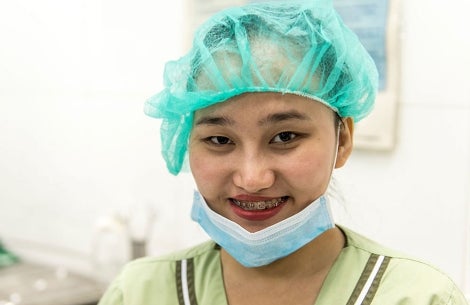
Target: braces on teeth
{"type": "Point", "coordinates": [259, 205]}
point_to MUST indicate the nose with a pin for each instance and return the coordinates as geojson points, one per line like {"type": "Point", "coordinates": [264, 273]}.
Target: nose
{"type": "Point", "coordinates": [254, 173]}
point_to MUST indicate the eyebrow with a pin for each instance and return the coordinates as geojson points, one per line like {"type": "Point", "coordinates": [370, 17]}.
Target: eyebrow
{"type": "Point", "coordinates": [214, 120]}
{"type": "Point", "coordinates": [270, 119]}
{"type": "Point", "coordinates": [284, 116]}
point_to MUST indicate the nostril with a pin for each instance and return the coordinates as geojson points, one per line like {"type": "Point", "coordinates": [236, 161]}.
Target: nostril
{"type": "Point", "coordinates": [254, 182]}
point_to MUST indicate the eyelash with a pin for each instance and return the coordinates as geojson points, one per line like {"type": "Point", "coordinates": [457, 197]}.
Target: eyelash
{"type": "Point", "coordinates": [211, 139]}
{"type": "Point", "coordinates": [221, 140]}
{"type": "Point", "coordinates": [290, 134]}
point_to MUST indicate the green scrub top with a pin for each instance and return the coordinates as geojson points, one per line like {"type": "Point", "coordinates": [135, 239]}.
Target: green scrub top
{"type": "Point", "coordinates": [364, 273]}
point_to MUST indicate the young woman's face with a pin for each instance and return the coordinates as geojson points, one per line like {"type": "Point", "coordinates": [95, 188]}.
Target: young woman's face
{"type": "Point", "coordinates": [260, 158]}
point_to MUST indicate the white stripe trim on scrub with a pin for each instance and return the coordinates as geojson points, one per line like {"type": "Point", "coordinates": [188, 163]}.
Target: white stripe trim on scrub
{"type": "Point", "coordinates": [184, 281]}
{"type": "Point", "coordinates": [370, 280]}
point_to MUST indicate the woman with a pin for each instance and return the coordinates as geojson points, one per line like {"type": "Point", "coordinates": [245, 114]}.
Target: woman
{"type": "Point", "coordinates": [263, 108]}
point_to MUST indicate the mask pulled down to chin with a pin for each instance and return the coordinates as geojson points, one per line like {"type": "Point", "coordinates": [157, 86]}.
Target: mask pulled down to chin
{"type": "Point", "coordinates": [267, 245]}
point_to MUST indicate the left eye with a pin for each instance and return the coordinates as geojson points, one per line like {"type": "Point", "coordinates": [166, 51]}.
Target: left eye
{"type": "Point", "coordinates": [284, 137]}
{"type": "Point", "coordinates": [219, 140]}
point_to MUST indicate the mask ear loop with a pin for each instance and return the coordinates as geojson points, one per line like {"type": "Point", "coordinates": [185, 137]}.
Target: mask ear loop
{"type": "Point", "coordinates": [337, 142]}
{"type": "Point", "coordinates": [330, 192]}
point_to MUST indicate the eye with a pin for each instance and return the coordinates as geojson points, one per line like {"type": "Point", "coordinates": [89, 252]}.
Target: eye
{"type": "Point", "coordinates": [219, 140]}
{"type": "Point", "coordinates": [284, 137]}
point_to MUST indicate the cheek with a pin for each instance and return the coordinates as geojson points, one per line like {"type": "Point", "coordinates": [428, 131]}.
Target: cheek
{"type": "Point", "coordinates": [309, 169]}
{"type": "Point", "coordinates": [206, 172]}
{"type": "Point", "coordinates": [198, 167]}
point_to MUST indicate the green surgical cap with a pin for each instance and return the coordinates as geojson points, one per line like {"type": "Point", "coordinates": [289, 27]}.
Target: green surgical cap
{"type": "Point", "coordinates": [296, 47]}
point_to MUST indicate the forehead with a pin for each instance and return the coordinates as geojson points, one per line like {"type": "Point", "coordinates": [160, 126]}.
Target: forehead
{"type": "Point", "coordinates": [248, 104]}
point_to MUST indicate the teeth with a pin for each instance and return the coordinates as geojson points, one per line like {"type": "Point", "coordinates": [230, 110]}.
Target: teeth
{"type": "Point", "coordinates": [259, 205]}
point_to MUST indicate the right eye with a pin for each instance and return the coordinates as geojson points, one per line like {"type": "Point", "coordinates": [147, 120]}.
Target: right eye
{"type": "Point", "coordinates": [219, 140]}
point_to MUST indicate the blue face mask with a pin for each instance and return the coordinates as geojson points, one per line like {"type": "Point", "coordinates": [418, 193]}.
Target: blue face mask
{"type": "Point", "coordinates": [267, 245]}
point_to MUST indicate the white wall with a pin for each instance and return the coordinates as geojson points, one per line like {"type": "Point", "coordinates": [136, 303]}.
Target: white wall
{"type": "Point", "coordinates": [76, 146]}
{"type": "Point", "coordinates": [417, 198]}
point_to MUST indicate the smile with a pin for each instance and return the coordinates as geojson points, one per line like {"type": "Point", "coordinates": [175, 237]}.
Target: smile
{"type": "Point", "coordinates": [259, 205]}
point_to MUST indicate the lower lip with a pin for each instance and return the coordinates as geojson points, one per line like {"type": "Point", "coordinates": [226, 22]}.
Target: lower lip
{"type": "Point", "coordinates": [256, 215]}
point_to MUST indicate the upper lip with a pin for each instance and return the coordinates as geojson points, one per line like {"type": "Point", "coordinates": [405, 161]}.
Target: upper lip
{"type": "Point", "coordinates": [252, 198]}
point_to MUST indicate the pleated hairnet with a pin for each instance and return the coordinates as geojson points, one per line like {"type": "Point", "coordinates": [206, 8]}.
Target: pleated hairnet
{"type": "Point", "coordinates": [297, 47]}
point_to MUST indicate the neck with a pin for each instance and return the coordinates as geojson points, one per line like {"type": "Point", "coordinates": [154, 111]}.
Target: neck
{"type": "Point", "coordinates": [315, 258]}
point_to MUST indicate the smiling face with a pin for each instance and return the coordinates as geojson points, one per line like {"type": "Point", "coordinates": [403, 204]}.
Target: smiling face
{"type": "Point", "coordinates": [259, 158]}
